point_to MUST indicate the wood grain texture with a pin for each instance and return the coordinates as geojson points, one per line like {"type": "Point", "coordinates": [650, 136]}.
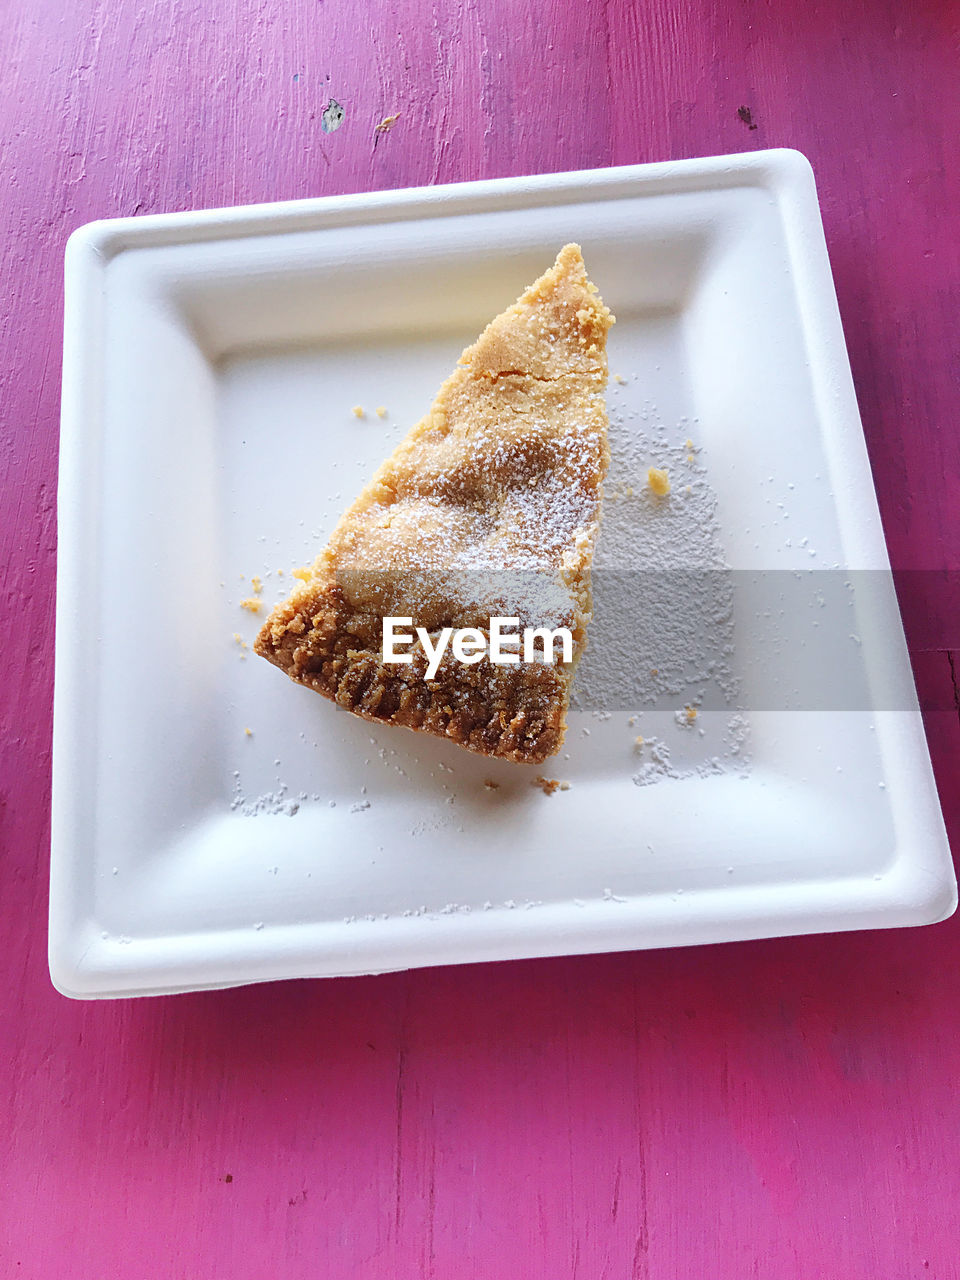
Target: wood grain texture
{"type": "Point", "coordinates": [782, 1109]}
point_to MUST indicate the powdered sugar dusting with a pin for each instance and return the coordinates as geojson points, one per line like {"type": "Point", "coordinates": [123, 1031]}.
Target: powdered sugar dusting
{"type": "Point", "coordinates": [274, 802]}
{"type": "Point", "coordinates": [661, 641]}
{"type": "Point", "coordinates": [662, 630]}
{"type": "Point", "coordinates": [498, 516]}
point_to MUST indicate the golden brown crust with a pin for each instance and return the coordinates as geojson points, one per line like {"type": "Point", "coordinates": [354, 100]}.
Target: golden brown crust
{"type": "Point", "coordinates": [512, 712]}
{"type": "Point", "coordinates": [490, 506]}
{"type": "Point", "coordinates": [556, 328]}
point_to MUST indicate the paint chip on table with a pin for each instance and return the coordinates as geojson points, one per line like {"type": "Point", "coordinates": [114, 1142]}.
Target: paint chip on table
{"type": "Point", "coordinates": [332, 117]}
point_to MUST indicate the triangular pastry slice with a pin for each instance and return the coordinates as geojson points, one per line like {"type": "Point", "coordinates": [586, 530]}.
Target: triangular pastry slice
{"type": "Point", "coordinates": [489, 507]}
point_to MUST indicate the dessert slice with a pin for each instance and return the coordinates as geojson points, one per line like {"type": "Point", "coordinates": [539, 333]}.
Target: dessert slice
{"type": "Point", "coordinates": [489, 508]}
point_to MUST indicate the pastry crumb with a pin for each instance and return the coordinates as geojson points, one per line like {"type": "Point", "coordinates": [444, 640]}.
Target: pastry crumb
{"type": "Point", "coordinates": [248, 733]}
{"type": "Point", "coordinates": [303, 574]}
{"type": "Point", "coordinates": [688, 444]}
{"type": "Point", "coordinates": [619, 378]}
{"type": "Point", "coordinates": [257, 583]}
{"type": "Point", "coordinates": [279, 573]}
{"type": "Point", "coordinates": [659, 481]}
{"type": "Point", "coordinates": [380, 411]}
{"type": "Point", "coordinates": [491, 785]}
{"type": "Point", "coordinates": [357, 411]}
{"type": "Point", "coordinates": [638, 740]}
{"type": "Point", "coordinates": [547, 785]}
{"type": "Point", "coordinates": [252, 603]}
{"type": "Point", "coordinates": [386, 124]}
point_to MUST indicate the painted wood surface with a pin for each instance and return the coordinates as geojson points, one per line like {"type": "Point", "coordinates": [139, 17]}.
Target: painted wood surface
{"type": "Point", "coordinates": [781, 1109]}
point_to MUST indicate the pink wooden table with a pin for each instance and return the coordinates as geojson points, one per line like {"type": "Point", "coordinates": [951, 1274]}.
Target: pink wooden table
{"type": "Point", "coordinates": [781, 1109]}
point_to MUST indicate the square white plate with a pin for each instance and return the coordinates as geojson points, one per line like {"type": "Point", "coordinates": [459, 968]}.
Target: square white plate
{"type": "Point", "coordinates": [211, 361]}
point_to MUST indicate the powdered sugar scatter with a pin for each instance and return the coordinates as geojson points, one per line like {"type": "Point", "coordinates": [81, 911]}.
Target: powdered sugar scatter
{"type": "Point", "coordinates": [271, 802]}
{"type": "Point", "coordinates": [661, 640]}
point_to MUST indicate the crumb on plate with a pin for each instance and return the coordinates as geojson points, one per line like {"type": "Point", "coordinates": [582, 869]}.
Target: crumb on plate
{"type": "Point", "coordinates": [357, 411]}
{"type": "Point", "coordinates": [380, 411]}
{"type": "Point", "coordinates": [549, 785]}
{"type": "Point", "coordinates": [659, 481]}
{"type": "Point", "coordinates": [252, 603]}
